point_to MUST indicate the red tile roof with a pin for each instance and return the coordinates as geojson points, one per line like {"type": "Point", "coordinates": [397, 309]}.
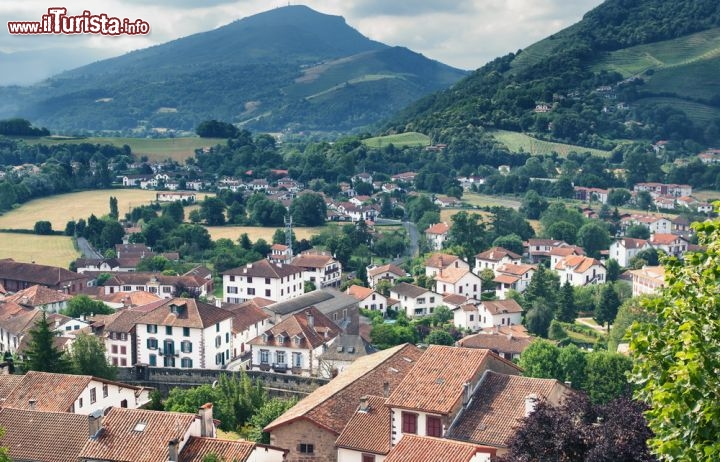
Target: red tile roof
{"type": "Point", "coordinates": [43, 436]}
{"type": "Point", "coordinates": [247, 314]}
{"type": "Point", "coordinates": [452, 275]}
{"type": "Point", "coordinates": [438, 228]}
{"type": "Point", "coordinates": [390, 268]}
{"type": "Point", "coordinates": [502, 306]}
{"type": "Point", "coordinates": [265, 269]}
{"type": "Point", "coordinates": [8, 382]}
{"type": "Point", "coordinates": [310, 260]}
{"type": "Point", "coordinates": [38, 295]}
{"type": "Point", "coordinates": [197, 449]}
{"type": "Point", "coordinates": [499, 343]}
{"type": "Point", "coordinates": [441, 260]}
{"type": "Point", "coordinates": [137, 435]}
{"type": "Point", "coordinates": [413, 448]}
{"type": "Point", "coordinates": [369, 429]}
{"type": "Point", "coordinates": [312, 336]}
{"type": "Point", "coordinates": [331, 406]}
{"type": "Point", "coordinates": [359, 292]}
{"type": "Point", "coordinates": [191, 313]}
{"type": "Point", "coordinates": [664, 239]}
{"type": "Point", "coordinates": [38, 274]}
{"type": "Point", "coordinates": [497, 254]}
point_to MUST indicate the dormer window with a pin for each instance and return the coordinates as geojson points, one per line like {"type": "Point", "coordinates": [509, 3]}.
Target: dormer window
{"type": "Point", "coordinates": [297, 339]}
{"type": "Point", "coordinates": [280, 339]}
{"type": "Point", "coordinates": [265, 337]}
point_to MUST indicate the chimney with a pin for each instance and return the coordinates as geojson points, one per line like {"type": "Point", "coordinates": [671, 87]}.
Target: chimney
{"type": "Point", "coordinates": [207, 428]}
{"type": "Point", "coordinates": [173, 450]}
{"type": "Point", "coordinates": [530, 404]}
{"type": "Point", "coordinates": [32, 402]}
{"type": "Point", "coordinates": [95, 423]}
{"type": "Point", "coordinates": [386, 389]}
{"type": "Point", "coordinates": [466, 393]}
{"type": "Point", "coordinates": [364, 404]}
{"type": "Point", "coordinates": [310, 319]}
{"type": "Point", "coordinates": [568, 384]}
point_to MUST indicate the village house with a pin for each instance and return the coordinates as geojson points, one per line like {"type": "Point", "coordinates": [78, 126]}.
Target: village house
{"type": "Point", "coordinates": [560, 253]}
{"type": "Point", "coordinates": [661, 189]}
{"type": "Point", "coordinates": [648, 280]}
{"type": "Point", "coordinates": [105, 265]}
{"type": "Point", "coordinates": [184, 333]}
{"type": "Point", "coordinates": [512, 277]}
{"type": "Point", "coordinates": [15, 322]}
{"type": "Point", "coordinates": [118, 332]}
{"type": "Point", "coordinates": [16, 276]}
{"type": "Point", "coordinates": [493, 258]}
{"type": "Point", "coordinates": [441, 261]}
{"type": "Point", "coordinates": [655, 223]}
{"type": "Point", "coordinates": [625, 249]}
{"type": "Point", "coordinates": [436, 235]}
{"type": "Point", "coordinates": [310, 429]}
{"type": "Point", "coordinates": [280, 253]}
{"type": "Point", "coordinates": [294, 344]}
{"type": "Point", "coordinates": [274, 281]}
{"type": "Point", "coordinates": [368, 299]}
{"type": "Point", "coordinates": [415, 300]}
{"type": "Point", "coordinates": [505, 345]}
{"type": "Point", "coordinates": [319, 268]}
{"type": "Point", "coordinates": [158, 284]}
{"type": "Point", "coordinates": [672, 244]}
{"type": "Point", "coordinates": [40, 297]}
{"type": "Point", "coordinates": [77, 394]}
{"type": "Point", "coordinates": [459, 281]}
{"type": "Point", "coordinates": [591, 194]}
{"type": "Point", "coordinates": [389, 273]}
{"type": "Point", "coordinates": [249, 321]}
{"type": "Point", "coordinates": [466, 316]}
{"type": "Point", "coordinates": [345, 350]}
{"type": "Point", "coordinates": [405, 177]}
{"type": "Point", "coordinates": [65, 325]}
{"type": "Point", "coordinates": [118, 300]}
{"type": "Point", "coordinates": [176, 196]}
{"type": "Point", "coordinates": [538, 250]}
{"type": "Point", "coordinates": [493, 313]}
{"type": "Point", "coordinates": [580, 271]}
{"type": "Point", "coordinates": [339, 307]}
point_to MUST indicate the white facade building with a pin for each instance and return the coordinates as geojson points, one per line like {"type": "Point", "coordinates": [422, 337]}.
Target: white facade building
{"type": "Point", "coordinates": [274, 281]}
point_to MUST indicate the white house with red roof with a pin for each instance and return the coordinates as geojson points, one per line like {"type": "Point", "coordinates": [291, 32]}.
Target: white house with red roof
{"type": "Point", "coordinates": [671, 244]}
{"type": "Point", "coordinates": [440, 261]}
{"type": "Point", "coordinates": [437, 234]}
{"type": "Point", "coordinates": [559, 253]}
{"type": "Point", "coordinates": [499, 313]}
{"type": "Point", "coordinates": [320, 268]}
{"type": "Point", "coordinates": [512, 277]}
{"type": "Point", "coordinates": [249, 321]}
{"type": "Point", "coordinates": [415, 300]}
{"type": "Point", "coordinates": [368, 299]}
{"type": "Point", "coordinates": [495, 257]}
{"type": "Point", "coordinates": [263, 278]}
{"type": "Point", "coordinates": [580, 270]}
{"type": "Point", "coordinates": [625, 249]}
{"type": "Point", "coordinates": [459, 281]}
{"type": "Point", "coordinates": [389, 272]}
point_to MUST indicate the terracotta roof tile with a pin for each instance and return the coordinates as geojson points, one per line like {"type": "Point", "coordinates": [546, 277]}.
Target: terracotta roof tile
{"type": "Point", "coordinates": [137, 435]}
{"type": "Point", "coordinates": [17, 319]}
{"type": "Point", "coordinates": [197, 449]}
{"type": "Point", "coordinates": [435, 384]}
{"type": "Point", "coordinates": [332, 405]}
{"type": "Point", "coordinates": [309, 260]}
{"type": "Point", "coordinates": [247, 314]}
{"type": "Point", "coordinates": [413, 448]}
{"type": "Point", "coordinates": [369, 429]}
{"type": "Point", "coordinates": [52, 392]}
{"type": "Point", "coordinates": [454, 299]}
{"type": "Point", "coordinates": [191, 313]}
{"type": "Point", "coordinates": [410, 290]}
{"type": "Point", "coordinates": [502, 306]}
{"type": "Point", "coordinates": [506, 279]}
{"type": "Point", "coordinates": [265, 269]}
{"type": "Point", "coordinates": [390, 268]}
{"type": "Point", "coordinates": [359, 292]}
{"type": "Point", "coordinates": [664, 239]}
{"type": "Point", "coordinates": [38, 274]}
{"type": "Point", "coordinates": [497, 254]}
{"type": "Point", "coordinates": [298, 325]}
{"type": "Point", "coordinates": [498, 404]}
{"type": "Point", "coordinates": [438, 228]}
{"type": "Point", "coordinates": [43, 436]}
{"type": "Point", "coordinates": [441, 260]}
{"type": "Point", "coordinates": [516, 270]}
{"type": "Point", "coordinates": [452, 275]}
{"type": "Point", "coordinates": [38, 295]}
{"type": "Point", "coordinates": [632, 243]}
{"type": "Point", "coordinates": [8, 382]}
{"type": "Point", "coordinates": [499, 343]}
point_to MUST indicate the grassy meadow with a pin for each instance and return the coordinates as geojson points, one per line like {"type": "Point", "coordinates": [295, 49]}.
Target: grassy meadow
{"type": "Point", "coordinates": [402, 139]}
{"type": "Point", "coordinates": [62, 208]}
{"type": "Point", "coordinates": [258, 232]}
{"type": "Point", "coordinates": [519, 142]}
{"type": "Point", "coordinates": [156, 149]}
{"type": "Point", "coordinates": [43, 250]}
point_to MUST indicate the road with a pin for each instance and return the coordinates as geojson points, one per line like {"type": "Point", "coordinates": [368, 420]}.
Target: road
{"type": "Point", "coordinates": [86, 249]}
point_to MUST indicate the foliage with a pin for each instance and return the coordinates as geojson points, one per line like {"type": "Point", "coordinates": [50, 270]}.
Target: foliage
{"type": "Point", "coordinates": [269, 411]}
{"type": "Point", "coordinates": [21, 127]}
{"type": "Point", "coordinates": [566, 310]}
{"type": "Point", "coordinates": [606, 376]}
{"type": "Point", "coordinates": [612, 268]}
{"type": "Point", "coordinates": [593, 237]}
{"type": "Point", "coordinates": [388, 335]}
{"type": "Point", "coordinates": [88, 357]}
{"type": "Point", "coordinates": [676, 356]}
{"type": "Point", "coordinates": [607, 306]}
{"type": "Point", "coordinates": [439, 337]}
{"type": "Point", "coordinates": [42, 354]}
{"type": "Point", "coordinates": [43, 227]}
{"type": "Point", "coordinates": [511, 242]}
{"type": "Point", "coordinates": [212, 210]}
{"type": "Point", "coordinates": [308, 209]}
{"type": "Point", "coordinates": [638, 231]}
{"type": "Point", "coordinates": [216, 129]}
{"type": "Point", "coordinates": [539, 317]}
{"type": "Point", "coordinates": [533, 205]}
{"type": "Point", "coordinates": [556, 332]}
{"type": "Point", "coordinates": [82, 305]}
{"type": "Point", "coordinates": [540, 359]}
{"type": "Point", "coordinates": [630, 311]}
{"type": "Point", "coordinates": [577, 430]}
{"type": "Point", "coordinates": [235, 399]}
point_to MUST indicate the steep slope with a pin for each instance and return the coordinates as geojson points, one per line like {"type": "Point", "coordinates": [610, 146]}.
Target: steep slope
{"type": "Point", "coordinates": [253, 71]}
{"type": "Point", "coordinates": [630, 69]}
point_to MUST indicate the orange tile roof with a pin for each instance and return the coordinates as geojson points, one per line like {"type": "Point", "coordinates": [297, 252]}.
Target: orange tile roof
{"type": "Point", "coordinates": [8, 382]}
{"type": "Point", "coordinates": [452, 275]}
{"type": "Point", "coordinates": [663, 238]}
{"type": "Point", "coordinates": [577, 263]}
{"type": "Point", "coordinates": [516, 270]}
{"type": "Point", "coordinates": [568, 250]}
{"type": "Point", "coordinates": [506, 279]}
{"type": "Point", "coordinates": [497, 254]}
{"type": "Point", "coordinates": [298, 325]}
{"type": "Point", "coordinates": [193, 314]}
{"type": "Point", "coordinates": [38, 295]}
{"type": "Point", "coordinates": [368, 430]}
{"type": "Point", "coordinates": [135, 298]}
{"type": "Point", "coordinates": [52, 392]}
{"type": "Point", "coordinates": [500, 343]}
{"type": "Point", "coordinates": [438, 228]}
{"type": "Point", "coordinates": [502, 306]}
{"type": "Point", "coordinates": [632, 243]}
{"type": "Point", "coordinates": [122, 439]}
{"type": "Point", "coordinates": [265, 269]}
{"type": "Point", "coordinates": [454, 299]}
{"type": "Point", "coordinates": [441, 260]}
{"type": "Point", "coordinates": [198, 448]}
{"type": "Point", "coordinates": [435, 384]}
{"type": "Point", "coordinates": [413, 448]}
{"type": "Point", "coordinates": [497, 406]}
{"type": "Point", "coordinates": [246, 314]}
{"type": "Point", "coordinates": [359, 292]}
{"type": "Point", "coordinates": [389, 268]}
{"type": "Point", "coordinates": [43, 436]}
{"type": "Point", "coordinates": [331, 406]}
{"type": "Point", "coordinates": [309, 260]}
{"type": "Point", "coordinates": [17, 319]}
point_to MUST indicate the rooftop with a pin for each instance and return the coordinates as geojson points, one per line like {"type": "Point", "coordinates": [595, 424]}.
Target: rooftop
{"type": "Point", "coordinates": [264, 269]}
{"type": "Point", "coordinates": [185, 312]}
{"type": "Point", "coordinates": [497, 254]}
{"type": "Point", "coordinates": [368, 430]}
{"type": "Point", "coordinates": [412, 448]}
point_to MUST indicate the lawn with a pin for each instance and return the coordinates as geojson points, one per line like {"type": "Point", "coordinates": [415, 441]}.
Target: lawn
{"type": "Point", "coordinates": [43, 250]}
{"type": "Point", "coordinates": [402, 139]}
{"type": "Point", "coordinates": [156, 149]}
{"type": "Point", "coordinates": [62, 208]}
{"type": "Point", "coordinates": [519, 142]}
{"type": "Point", "coordinates": [257, 232]}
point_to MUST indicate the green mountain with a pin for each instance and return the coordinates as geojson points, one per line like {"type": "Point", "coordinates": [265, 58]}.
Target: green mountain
{"type": "Point", "coordinates": [287, 68]}
{"type": "Point", "coordinates": [630, 69]}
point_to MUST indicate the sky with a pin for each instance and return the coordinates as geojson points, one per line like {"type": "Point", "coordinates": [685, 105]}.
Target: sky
{"type": "Point", "coordinates": [462, 33]}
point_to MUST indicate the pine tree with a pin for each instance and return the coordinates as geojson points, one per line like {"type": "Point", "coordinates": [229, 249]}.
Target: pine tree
{"type": "Point", "coordinates": [42, 353]}
{"type": "Point", "coordinates": [607, 306]}
{"type": "Point", "coordinates": [566, 310]}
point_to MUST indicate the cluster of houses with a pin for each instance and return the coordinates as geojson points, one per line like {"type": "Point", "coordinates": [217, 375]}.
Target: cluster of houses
{"type": "Point", "coordinates": [664, 196]}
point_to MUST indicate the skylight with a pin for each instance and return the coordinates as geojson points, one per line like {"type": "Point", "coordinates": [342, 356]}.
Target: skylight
{"type": "Point", "coordinates": [140, 426]}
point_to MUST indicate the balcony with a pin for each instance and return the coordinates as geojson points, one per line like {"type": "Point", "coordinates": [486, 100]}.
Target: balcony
{"type": "Point", "coordinates": [280, 367]}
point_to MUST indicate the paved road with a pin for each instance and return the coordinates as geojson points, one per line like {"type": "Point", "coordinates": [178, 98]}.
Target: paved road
{"type": "Point", "coordinates": [86, 249]}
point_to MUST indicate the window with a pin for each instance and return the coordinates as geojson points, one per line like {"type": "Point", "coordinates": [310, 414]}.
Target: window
{"type": "Point", "coordinates": [219, 358]}
{"type": "Point", "coordinates": [267, 280]}
{"type": "Point", "coordinates": [368, 458]}
{"type": "Point", "coordinates": [93, 395]}
{"type": "Point", "coordinates": [169, 361]}
{"type": "Point", "coordinates": [433, 426]}
{"type": "Point", "coordinates": [267, 292]}
{"type": "Point", "coordinates": [420, 301]}
{"type": "Point", "coordinates": [186, 363]}
{"type": "Point", "coordinates": [232, 290]}
{"type": "Point", "coordinates": [153, 360]}
{"type": "Point", "coordinates": [305, 448]}
{"type": "Point", "coordinates": [218, 341]}
{"type": "Point", "coordinates": [432, 299]}
{"type": "Point", "coordinates": [123, 350]}
{"type": "Point", "coordinates": [169, 348]}
{"type": "Point", "coordinates": [297, 360]}
{"type": "Point", "coordinates": [186, 332]}
{"type": "Point", "coordinates": [152, 329]}
{"type": "Point", "coordinates": [113, 349]}
{"type": "Point", "coordinates": [232, 278]}
{"type": "Point", "coordinates": [280, 357]}
{"type": "Point", "coordinates": [472, 317]}
{"type": "Point", "coordinates": [249, 279]}
{"type": "Point", "coordinates": [217, 327]}
{"type": "Point", "coordinates": [123, 362]}
{"type": "Point", "coordinates": [127, 289]}
{"type": "Point", "coordinates": [409, 422]}
{"type": "Point", "coordinates": [80, 403]}
{"type": "Point", "coordinates": [123, 337]}
{"type": "Point", "coordinates": [264, 356]}
{"type": "Point", "coordinates": [251, 291]}
{"type": "Point", "coordinates": [186, 346]}
{"type": "Point", "coordinates": [70, 328]}
{"type": "Point", "coordinates": [166, 289]}
{"type": "Point", "coordinates": [227, 337]}
{"type": "Point", "coordinates": [105, 390]}
{"type": "Point", "coordinates": [152, 343]}
{"type": "Point", "coordinates": [168, 330]}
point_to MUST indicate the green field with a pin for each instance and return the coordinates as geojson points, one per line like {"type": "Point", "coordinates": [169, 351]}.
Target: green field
{"type": "Point", "coordinates": [682, 51]}
{"type": "Point", "coordinates": [156, 149]}
{"type": "Point", "coordinates": [519, 142]}
{"type": "Point", "coordinates": [698, 113]}
{"type": "Point", "coordinates": [43, 250]}
{"type": "Point", "coordinates": [402, 139]}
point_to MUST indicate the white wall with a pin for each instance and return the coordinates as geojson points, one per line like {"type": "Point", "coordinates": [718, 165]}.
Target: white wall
{"type": "Point", "coordinates": [116, 394]}
{"type": "Point", "coordinates": [348, 455]}
{"type": "Point", "coordinates": [278, 289]}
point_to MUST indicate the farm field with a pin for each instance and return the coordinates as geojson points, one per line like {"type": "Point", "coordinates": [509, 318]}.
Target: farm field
{"type": "Point", "coordinates": [156, 149]}
{"type": "Point", "coordinates": [403, 139]}
{"type": "Point", "coordinates": [43, 250]}
{"type": "Point", "coordinates": [519, 142]}
{"type": "Point", "coordinates": [257, 232]}
{"type": "Point", "coordinates": [707, 195]}
{"type": "Point", "coordinates": [62, 208]}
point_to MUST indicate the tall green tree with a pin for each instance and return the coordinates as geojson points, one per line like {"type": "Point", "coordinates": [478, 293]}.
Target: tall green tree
{"type": "Point", "coordinates": [540, 359]}
{"type": "Point", "coordinates": [42, 353]}
{"type": "Point", "coordinates": [82, 305]}
{"type": "Point", "coordinates": [114, 212]}
{"type": "Point", "coordinates": [87, 357]}
{"type": "Point", "coordinates": [566, 310]}
{"type": "Point", "coordinates": [606, 376]}
{"type": "Point", "coordinates": [607, 306]}
{"type": "Point", "coordinates": [593, 237]}
{"type": "Point", "coordinates": [467, 232]}
{"type": "Point", "coordinates": [309, 209]}
{"type": "Point", "coordinates": [677, 357]}
{"type": "Point", "coordinates": [271, 410]}
{"type": "Point", "coordinates": [212, 210]}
